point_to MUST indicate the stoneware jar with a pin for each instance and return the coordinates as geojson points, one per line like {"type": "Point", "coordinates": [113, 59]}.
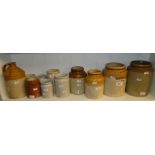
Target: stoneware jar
{"type": "Point", "coordinates": [62, 86]}
{"type": "Point", "coordinates": [46, 88]}
{"type": "Point", "coordinates": [94, 84]}
{"type": "Point", "coordinates": [33, 86]}
{"type": "Point", "coordinates": [77, 80]}
{"type": "Point", "coordinates": [115, 79]}
{"type": "Point", "coordinates": [139, 78]}
{"type": "Point", "coordinates": [51, 73]}
{"type": "Point", "coordinates": [14, 80]}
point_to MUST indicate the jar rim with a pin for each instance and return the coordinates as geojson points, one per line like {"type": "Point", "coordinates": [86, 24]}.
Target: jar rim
{"type": "Point", "coordinates": [77, 68]}
{"type": "Point", "coordinates": [53, 70]}
{"type": "Point", "coordinates": [94, 71]}
{"type": "Point", "coordinates": [31, 77]}
{"type": "Point", "coordinates": [62, 76]}
{"type": "Point", "coordinates": [115, 65]}
{"type": "Point", "coordinates": [141, 63]}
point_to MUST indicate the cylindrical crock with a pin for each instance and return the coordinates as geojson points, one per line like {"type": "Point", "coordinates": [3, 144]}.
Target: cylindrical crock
{"type": "Point", "coordinates": [115, 79]}
{"type": "Point", "coordinates": [46, 88]}
{"type": "Point", "coordinates": [139, 78]}
{"type": "Point", "coordinates": [51, 73]}
{"type": "Point", "coordinates": [94, 84]}
{"type": "Point", "coordinates": [77, 80]}
{"type": "Point", "coordinates": [14, 80]}
{"type": "Point", "coordinates": [32, 86]}
{"type": "Point", "coordinates": [62, 85]}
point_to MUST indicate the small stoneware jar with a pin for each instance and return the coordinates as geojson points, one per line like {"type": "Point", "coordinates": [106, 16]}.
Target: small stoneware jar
{"type": "Point", "coordinates": [46, 88]}
{"type": "Point", "coordinates": [139, 78]}
{"type": "Point", "coordinates": [14, 80]}
{"type": "Point", "coordinates": [94, 84]}
{"type": "Point", "coordinates": [115, 79]}
{"type": "Point", "coordinates": [32, 86]}
{"type": "Point", "coordinates": [77, 80]}
{"type": "Point", "coordinates": [51, 73]}
{"type": "Point", "coordinates": [62, 85]}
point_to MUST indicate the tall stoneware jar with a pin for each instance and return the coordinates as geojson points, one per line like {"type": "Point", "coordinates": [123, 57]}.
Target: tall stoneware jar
{"type": "Point", "coordinates": [62, 85]}
{"type": "Point", "coordinates": [94, 84]}
{"type": "Point", "coordinates": [14, 80]}
{"type": "Point", "coordinates": [139, 78]}
{"type": "Point", "coordinates": [46, 88]}
{"type": "Point", "coordinates": [77, 80]}
{"type": "Point", "coordinates": [33, 88]}
{"type": "Point", "coordinates": [51, 73]}
{"type": "Point", "coordinates": [115, 79]}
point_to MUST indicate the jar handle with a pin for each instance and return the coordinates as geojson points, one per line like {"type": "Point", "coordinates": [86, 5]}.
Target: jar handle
{"type": "Point", "coordinates": [7, 65]}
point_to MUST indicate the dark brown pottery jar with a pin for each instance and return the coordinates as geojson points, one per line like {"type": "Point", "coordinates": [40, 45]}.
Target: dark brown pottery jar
{"type": "Point", "coordinates": [33, 87]}
{"type": "Point", "coordinates": [77, 80]}
{"type": "Point", "coordinates": [139, 78]}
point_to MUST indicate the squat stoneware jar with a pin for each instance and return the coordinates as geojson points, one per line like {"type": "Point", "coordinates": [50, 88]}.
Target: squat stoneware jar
{"type": "Point", "coordinates": [14, 80]}
{"type": "Point", "coordinates": [77, 80]}
{"type": "Point", "coordinates": [32, 86]}
{"type": "Point", "coordinates": [139, 78]}
{"type": "Point", "coordinates": [46, 88]}
{"type": "Point", "coordinates": [115, 79]}
{"type": "Point", "coordinates": [94, 84]}
{"type": "Point", "coordinates": [62, 85]}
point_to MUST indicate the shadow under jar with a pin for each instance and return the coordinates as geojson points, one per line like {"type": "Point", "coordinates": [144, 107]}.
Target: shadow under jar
{"type": "Point", "coordinates": [139, 78]}
{"type": "Point", "coordinates": [62, 86]}
{"type": "Point", "coordinates": [94, 84]}
{"type": "Point", "coordinates": [115, 79]}
{"type": "Point", "coordinates": [77, 80]}
{"type": "Point", "coordinates": [32, 84]}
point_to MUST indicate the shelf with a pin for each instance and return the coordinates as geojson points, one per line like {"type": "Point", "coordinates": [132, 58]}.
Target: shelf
{"type": "Point", "coordinates": [72, 97]}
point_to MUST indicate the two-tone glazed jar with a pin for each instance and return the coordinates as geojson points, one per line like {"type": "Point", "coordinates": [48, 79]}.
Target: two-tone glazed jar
{"type": "Point", "coordinates": [14, 80]}
{"type": "Point", "coordinates": [139, 78]}
{"type": "Point", "coordinates": [33, 88]}
{"type": "Point", "coordinates": [115, 79]}
{"type": "Point", "coordinates": [77, 80]}
{"type": "Point", "coordinates": [62, 85]}
{"type": "Point", "coordinates": [46, 88]}
{"type": "Point", "coordinates": [94, 84]}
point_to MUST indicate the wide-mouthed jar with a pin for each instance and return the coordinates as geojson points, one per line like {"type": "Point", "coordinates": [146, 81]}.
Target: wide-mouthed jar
{"type": "Point", "coordinates": [62, 85]}
{"type": "Point", "coordinates": [94, 84]}
{"type": "Point", "coordinates": [77, 80]}
{"type": "Point", "coordinates": [115, 79]}
{"type": "Point", "coordinates": [46, 88]}
{"type": "Point", "coordinates": [14, 80]}
{"type": "Point", "coordinates": [139, 78]}
{"type": "Point", "coordinates": [32, 86]}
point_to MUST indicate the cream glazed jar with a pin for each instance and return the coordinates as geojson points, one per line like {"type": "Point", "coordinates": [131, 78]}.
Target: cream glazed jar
{"type": "Point", "coordinates": [46, 88]}
{"type": "Point", "coordinates": [51, 73]}
{"type": "Point", "coordinates": [62, 85]}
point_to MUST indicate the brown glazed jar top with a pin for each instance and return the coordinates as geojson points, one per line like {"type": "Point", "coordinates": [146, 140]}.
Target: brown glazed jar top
{"type": "Point", "coordinates": [12, 72]}
{"type": "Point", "coordinates": [32, 79]}
{"type": "Point", "coordinates": [95, 75]}
{"type": "Point", "coordinates": [77, 72]}
{"type": "Point", "coordinates": [140, 66]}
{"type": "Point", "coordinates": [115, 69]}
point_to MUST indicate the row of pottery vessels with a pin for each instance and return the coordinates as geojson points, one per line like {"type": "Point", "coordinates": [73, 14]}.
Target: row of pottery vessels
{"type": "Point", "coordinates": [113, 81]}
